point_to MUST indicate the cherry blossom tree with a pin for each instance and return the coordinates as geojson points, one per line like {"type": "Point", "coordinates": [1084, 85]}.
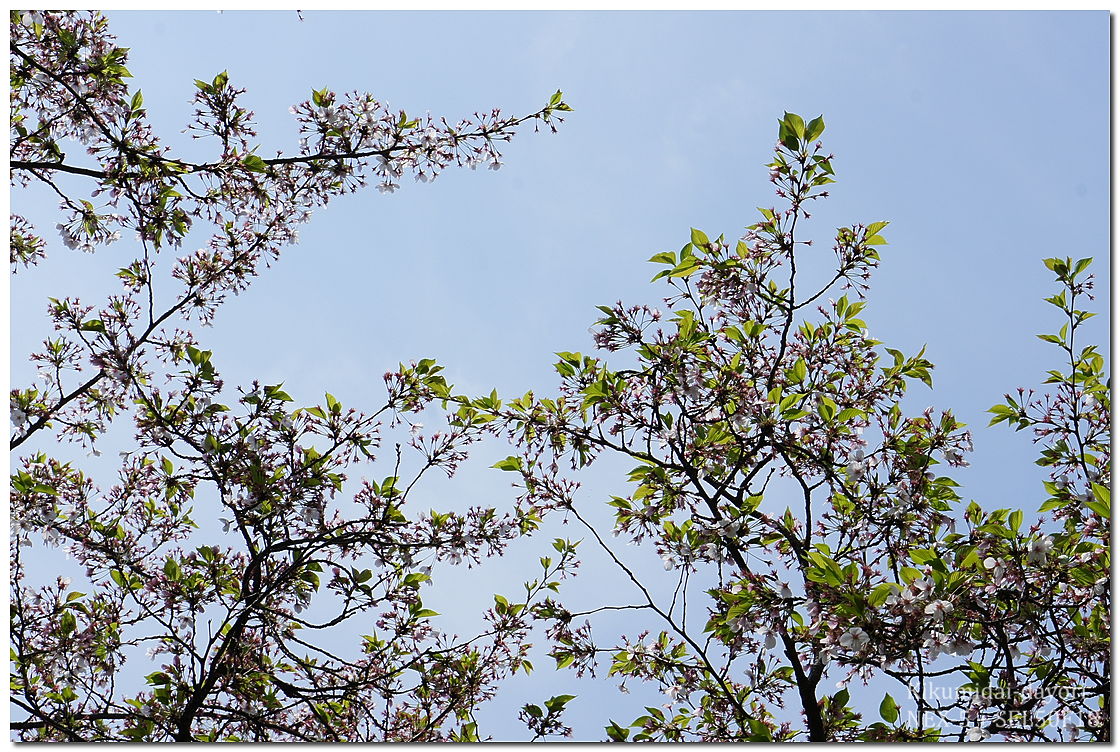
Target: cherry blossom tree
{"type": "Point", "coordinates": [228, 550]}
{"type": "Point", "coordinates": [809, 540]}
{"type": "Point", "coordinates": [810, 524]}
{"type": "Point", "coordinates": [1049, 591]}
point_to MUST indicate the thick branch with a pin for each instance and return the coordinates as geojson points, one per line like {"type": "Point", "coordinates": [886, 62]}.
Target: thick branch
{"type": "Point", "coordinates": [58, 167]}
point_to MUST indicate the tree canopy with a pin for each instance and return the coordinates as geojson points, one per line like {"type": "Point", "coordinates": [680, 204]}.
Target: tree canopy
{"type": "Point", "coordinates": [237, 651]}
{"type": "Point", "coordinates": [262, 559]}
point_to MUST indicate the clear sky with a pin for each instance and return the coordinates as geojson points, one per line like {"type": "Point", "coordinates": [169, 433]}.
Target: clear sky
{"type": "Point", "coordinates": [982, 137]}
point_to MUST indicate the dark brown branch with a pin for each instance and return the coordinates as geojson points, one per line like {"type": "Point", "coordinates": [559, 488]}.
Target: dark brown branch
{"type": "Point", "coordinates": [58, 167]}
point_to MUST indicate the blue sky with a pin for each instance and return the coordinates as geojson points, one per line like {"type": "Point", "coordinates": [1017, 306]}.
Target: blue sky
{"type": "Point", "coordinates": [982, 137]}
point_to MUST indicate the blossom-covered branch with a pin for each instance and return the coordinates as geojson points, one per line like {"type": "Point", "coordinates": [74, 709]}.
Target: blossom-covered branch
{"type": "Point", "coordinates": [233, 557]}
{"type": "Point", "coordinates": [781, 481]}
{"type": "Point", "coordinates": [68, 83]}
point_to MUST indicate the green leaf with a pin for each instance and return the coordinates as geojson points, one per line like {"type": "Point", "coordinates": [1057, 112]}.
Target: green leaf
{"type": "Point", "coordinates": [880, 594]}
{"type": "Point", "coordinates": [876, 227]}
{"type": "Point", "coordinates": [558, 702]}
{"type": "Point", "coordinates": [1102, 493]}
{"type": "Point", "coordinates": [826, 408]}
{"type": "Point", "coordinates": [888, 709]}
{"type": "Point", "coordinates": [413, 579]}
{"type": "Point", "coordinates": [909, 574]}
{"type": "Point", "coordinates": [508, 464]}
{"type": "Point", "coordinates": [1102, 509]}
{"type": "Point", "coordinates": [799, 371]}
{"type": "Point", "coordinates": [795, 124]}
{"type": "Point", "coordinates": [137, 101]}
{"type": "Point", "coordinates": [253, 163]}
{"type": "Point", "coordinates": [158, 677]}
{"type": "Point", "coordinates": [815, 128]}
{"type": "Point", "coordinates": [469, 733]}
{"type": "Point", "coordinates": [971, 559]}
{"type": "Point", "coordinates": [760, 732]}
{"type": "Point", "coordinates": [824, 570]}
{"type": "Point", "coordinates": [1102, 501]}
{"type": "Point", "coordinates": [788, 401]}
{"type": "Point", "coordinates": [685, 268]}
{"type": "Point", "coordinates": [788, 138]}
{"type": "Point", "coordinates": [699, 239]}
{"type": "Point", "coordinates": [1015, 519]}
{"type": "Point", "coordinates": [275, 392]}
{"type": "Point", "coordinates": [68, 623]}
{"type": "Point", "coordinates": [617, 733]}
